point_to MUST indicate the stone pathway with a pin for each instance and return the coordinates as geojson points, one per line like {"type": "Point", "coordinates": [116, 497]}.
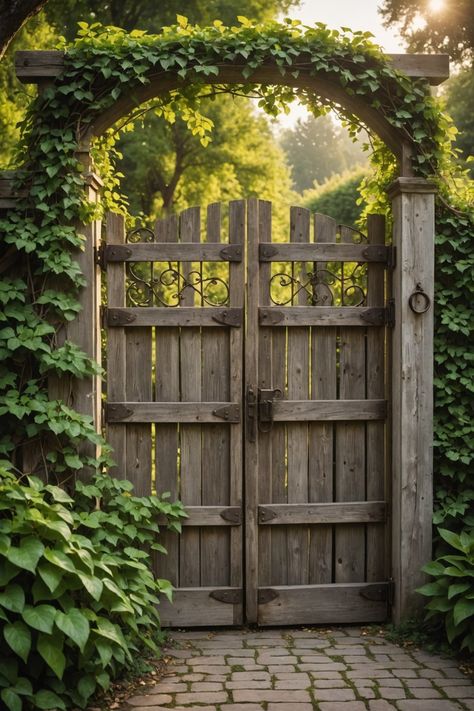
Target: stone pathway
{"type": "Point", "coordinates": [339, 669]}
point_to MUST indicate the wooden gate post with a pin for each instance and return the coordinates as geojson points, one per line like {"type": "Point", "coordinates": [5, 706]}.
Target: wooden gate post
{"type": "Point", "coordinates": [412, 389]}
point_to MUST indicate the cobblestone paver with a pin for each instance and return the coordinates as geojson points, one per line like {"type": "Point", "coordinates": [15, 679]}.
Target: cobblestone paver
{"type": "Point", "coordinates": [339, 669]}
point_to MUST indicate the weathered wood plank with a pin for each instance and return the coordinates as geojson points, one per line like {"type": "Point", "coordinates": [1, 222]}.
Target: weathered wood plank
{"type": "Point", "coordinates": [190, 369]}
{"type": "Point", "coordinates": [350, 453]}
{"type": "Point", "coordinates": [171, 252]}
{"type": "Point", "coordinates": [412, 392]}
{"type": "Point", "coordinates": [213, 516]}
{"type": "Point", "coordinates": [265, 381]}
{"type": "Point", "coordinates": [236, 300]}
{"type": "Point", "coordinates": [215, 551]}
{"type": "Point", "coordinates": [32, 65]}
{"type": "Point", "coordinates": [297, 433]}
{"type": "Point", "coordinates": [115, 234]}
{"type": "Point", "coordinates": [378, 567]}
{"type": "Point", "coordinates": [196, 608]}
{"type": "Point", "coordinates": [320, 252]}
{"type": "Point", "coordinates": [295, 316]}
{"type": "Point", "coordinates": [321, 604]}
{"type": "Point", "coordinates": [333, 410]}
{"type": "Point", "coordinates": [186, 412]}
{"type": "Point", "coordinates": [166, 435]}
{"type": "Point", "coordinates": [328, 513]}
{"type": "Point", "coordinates": [321, 434]}
{"type": "Point", "coordinates": [251, 448]}
{"type": "Point", "coordinates": [137, 316]}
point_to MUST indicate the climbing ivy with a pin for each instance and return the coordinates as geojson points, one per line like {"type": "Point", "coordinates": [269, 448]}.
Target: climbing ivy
{"type": "Point", "coordinates": [40, 290]}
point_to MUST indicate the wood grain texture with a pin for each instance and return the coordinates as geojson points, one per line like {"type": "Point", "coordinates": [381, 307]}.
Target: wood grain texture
{"type": "Point", "coordinates": [167, 388]}
{"type": "Point", "coordinates": [320, 252]}
{"type": "Point", "coordinates": [321, 604]}
{"type": "Point", "coordinates": [189, 412]}
{"type": "Point", "coordinates": [297, 433]}
{"type": "Point", "coordinates": [171, 252]}
{"type": "Point", "coordinates": [137, 316]}
{"type": "Point", "coordinates": [412, 392]}
{"type": "Point", "coordinates": [215, 440]}
{"type": "Point", "coordinates": [236, 354]}
{"type": "Point", "coordinates": [350, 453]}
{"type": "Point", "coordinates": [196, 608]}
{"type": "Point", "coordinates": [321, 434]}
{"type": "Point", "coordinates": [306, 410]}
{"type": "Point", "coordinates": [213, 516]}
{"type": "Point", "coordinates": [330, 513]}
{"type": "Point", "coordinates": [190, 369]}
{"type": "Point", "coordinates": [296, 316]}
{"type": "Point", "coordinates": [378, 566]}
{"type": "Point", "coordinates": [115, 234]}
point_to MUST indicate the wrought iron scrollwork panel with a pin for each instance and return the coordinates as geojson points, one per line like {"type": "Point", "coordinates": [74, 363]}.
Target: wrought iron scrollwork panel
{"type": "Point", "coordinates": [321, 286]}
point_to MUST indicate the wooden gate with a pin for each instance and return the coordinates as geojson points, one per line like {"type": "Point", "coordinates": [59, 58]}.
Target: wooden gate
{"type": "Point", "coordinates": [272, 364]}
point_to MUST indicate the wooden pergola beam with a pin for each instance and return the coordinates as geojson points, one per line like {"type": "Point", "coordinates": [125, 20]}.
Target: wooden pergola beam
{"type": "Point", "coordinates": [33, 67]}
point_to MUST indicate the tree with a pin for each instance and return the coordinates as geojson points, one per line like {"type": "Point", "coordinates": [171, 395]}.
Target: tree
{"type": "Point", "coordinates": [166, 168]}
{"type": "Point", "coordinates": [443, 26]}
{"type": "Point", "coordinates": [317, 149]}
{"type": "Point", "coordinates": [337, 197]}
{"type": "Point", "coordinates": [14, 14]}
{"type": "Point", "coordinates": [459, 102]}
{"type": "Point", "coordinates": [149, 15]}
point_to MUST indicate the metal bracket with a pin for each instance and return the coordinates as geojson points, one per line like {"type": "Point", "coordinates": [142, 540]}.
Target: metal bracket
{"type": "Point", "coordinates": [229, 413]}
{"type": "Point", "coordinates": [251, 414]}
{"type": "Point", "coordinates": [115, 253]}
{"type": "Point", "coordinates": [270, 316]}
{"type": "Point", "coordinates": [266, 595]}
{"type": "Point", "coordinates": [266, 252]}
{"type": "Point", "coordinates": [230, 597]}
{"type": "Point", "coordinates": [392, 257]}
{"type": "Point", "coordinates": [382, 592]}
{"type": "Point", "coordinates": [380, 253]}
{"type": "Point", "coordinates": [265, 407]}
{"type": "Point", "coordinates": [117, 317]}
{"type": "Point", "coordinates": [117, 413]}
{"type": "Point", "coordinates": [99, 256]}
{"type": "Point", "coordinates": [232, 515]}
{"type": "Point", "coordinates": [390, 313]}
{"type": "Point", "coordinates": [265, 515]}
{"type": "Point", "coordinates": [374, 317]}
{"type": "Point", "coordinates": [231, 253]}
{"type": "Point", "coordinates": [229, 317]}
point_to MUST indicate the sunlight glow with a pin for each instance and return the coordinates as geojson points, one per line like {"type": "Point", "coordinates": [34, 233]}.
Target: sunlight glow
{"type": "Point", "coordinates": [436, 5]}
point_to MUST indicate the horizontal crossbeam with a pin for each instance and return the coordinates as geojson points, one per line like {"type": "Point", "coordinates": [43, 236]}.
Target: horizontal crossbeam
{"type": "Point", "coordinates": [328, 513]}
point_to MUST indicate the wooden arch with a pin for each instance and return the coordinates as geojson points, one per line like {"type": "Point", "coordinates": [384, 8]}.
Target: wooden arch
{"type": "Point", "coordinates": [411, 370]}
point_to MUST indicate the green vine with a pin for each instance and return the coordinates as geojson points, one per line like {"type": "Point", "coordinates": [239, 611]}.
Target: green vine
{"type": "Point", "coordinates": [39, 292]}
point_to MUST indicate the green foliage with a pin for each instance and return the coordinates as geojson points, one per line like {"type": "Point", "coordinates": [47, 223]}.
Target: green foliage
{"type": "Point", "coordinates": [78, 597]}
{"type": "Point", "coordinates": [317, 149]}
{"type": "Point", "coordinates": [459, 100]}
{"type": "Point", "coordinates": [338, 197]}
{"type": "Point", "coordinates": [452, 591]}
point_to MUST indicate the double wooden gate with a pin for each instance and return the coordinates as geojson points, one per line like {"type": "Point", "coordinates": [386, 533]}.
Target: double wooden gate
{"type": "Point", "coordinates": [260, 400]}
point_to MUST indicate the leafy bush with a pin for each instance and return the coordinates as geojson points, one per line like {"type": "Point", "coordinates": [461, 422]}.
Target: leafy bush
{"type": "Point", "coordinates": [77, 594]}
{"type": "Point", "coordinates": [337, 197]}
{"type": "Point", "coordinates": [452, 591]}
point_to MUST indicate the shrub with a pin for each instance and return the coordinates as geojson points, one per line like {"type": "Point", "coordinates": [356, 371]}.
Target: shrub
{"type": "Point", "coordinates": [452, 591]}
{"type": "Point", "coordinates": [77, 594]}
{"type": "Point", "coordinates": [337, 197]}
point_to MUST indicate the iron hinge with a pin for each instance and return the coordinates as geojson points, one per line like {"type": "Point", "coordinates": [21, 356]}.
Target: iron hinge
{"type": "Point", "coordinates": [99, 256]}
{"type": "Point", "coordinates": [229, 413]}
{"type": "Point", "coordinates": [266, 252]}
{"type": "Point", "coordinates": [379, 592]}
{"type": "Point", "coordinates": [118, 317]}
{"type": "Point", "coordinates": [229, 317]}
{"type": "Point", "coordinates": [391, 257]}
{"type": "Point", "coordinates": [231, 253]}
{"type": "Point", "coordinates": [232, 514]}
{"type": "Point", "coordinates": [266, 595]}
{"type": "Point", "coordinates": [117, 413]}
{"type": "Point", "coordinates": [115, 253]}
{"type": "Point", "coordinates": [390, 313]}
{"type": "Point", "coordinates": [230, 596]}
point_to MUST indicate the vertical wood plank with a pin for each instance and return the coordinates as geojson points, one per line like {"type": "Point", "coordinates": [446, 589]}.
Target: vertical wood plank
{"type": "Point", "coordinates": [190, 364]}
{"type": "Point", "coordinates": [215, 563]}
{"type": "Point", "coordinates": [265, 381]}
{"type": "Point", "coordinates": [251, 448]}
{"type": "Point", "coordinates": [237, 297]}
{"type": "Point", "coordinates": [377, 564]}
{"type": "Point", "coordinates": [412, 391]}
{"type": "Point", "coordinates": [166, 443]}
{"type": "Point", "coordinates": [298, 389]}
{"type": "Point", "coordinates": [115, 234]}
{"type": "Point", "coordinates": [321, 434]}
{"type": "Point", "coordinates": [350, 451]}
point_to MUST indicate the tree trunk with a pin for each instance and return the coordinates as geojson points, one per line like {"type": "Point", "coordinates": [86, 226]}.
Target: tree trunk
{"type": "Point", "coordinates": [14, 14]}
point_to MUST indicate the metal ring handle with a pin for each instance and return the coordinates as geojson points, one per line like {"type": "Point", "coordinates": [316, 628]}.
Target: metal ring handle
{"type": "Point", "coordinates": [412, 301]}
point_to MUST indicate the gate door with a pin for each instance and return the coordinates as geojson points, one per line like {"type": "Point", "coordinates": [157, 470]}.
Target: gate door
{"type": "Point", "coordinates": [316, 544]}
{"type": "Point", "coordinates": [174, 395]}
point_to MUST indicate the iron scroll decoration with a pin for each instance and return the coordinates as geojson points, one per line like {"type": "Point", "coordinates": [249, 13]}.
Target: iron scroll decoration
{"type": "Point", "coordinates": [148, 286]}
{"type": "Point", "coordinates": [419, 301]}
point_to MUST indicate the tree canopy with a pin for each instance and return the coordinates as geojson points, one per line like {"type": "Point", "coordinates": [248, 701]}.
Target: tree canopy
{"type": "Point", "coordinates": [446, 27]}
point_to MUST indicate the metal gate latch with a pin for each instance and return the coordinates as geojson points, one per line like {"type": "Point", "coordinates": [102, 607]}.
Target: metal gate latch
{"type": "Point", "coordinates": [265, 407]}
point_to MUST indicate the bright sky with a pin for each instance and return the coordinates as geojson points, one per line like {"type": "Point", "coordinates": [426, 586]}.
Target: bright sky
{"type": "Point", "coordinates": [356, 14]}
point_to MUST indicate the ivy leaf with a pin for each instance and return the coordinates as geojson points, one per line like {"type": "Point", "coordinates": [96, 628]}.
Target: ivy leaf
{"type": "Point", "coordinates": [93, 585]}
{"type": "Point", "coordinates": [11, 700]}
{"type": "Point", "coordinates": [50, 575]}
{"type": "Point", "coordinates": [51, 651]}
{"type": "Point", "coordinates": [45, 699]}
{"type": "Point", "coordinates": [27, 555]}
{"type": "Point", "coordinates": [18, 637]}
{"type": "Point", "coordinates": [463, 609]}
{"type": "Point", "coordinates": [74, 625]}
{"type": "Point", "coordinates": [13, 598]}
{"type": "Point", "coordinates": [40, 617]}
